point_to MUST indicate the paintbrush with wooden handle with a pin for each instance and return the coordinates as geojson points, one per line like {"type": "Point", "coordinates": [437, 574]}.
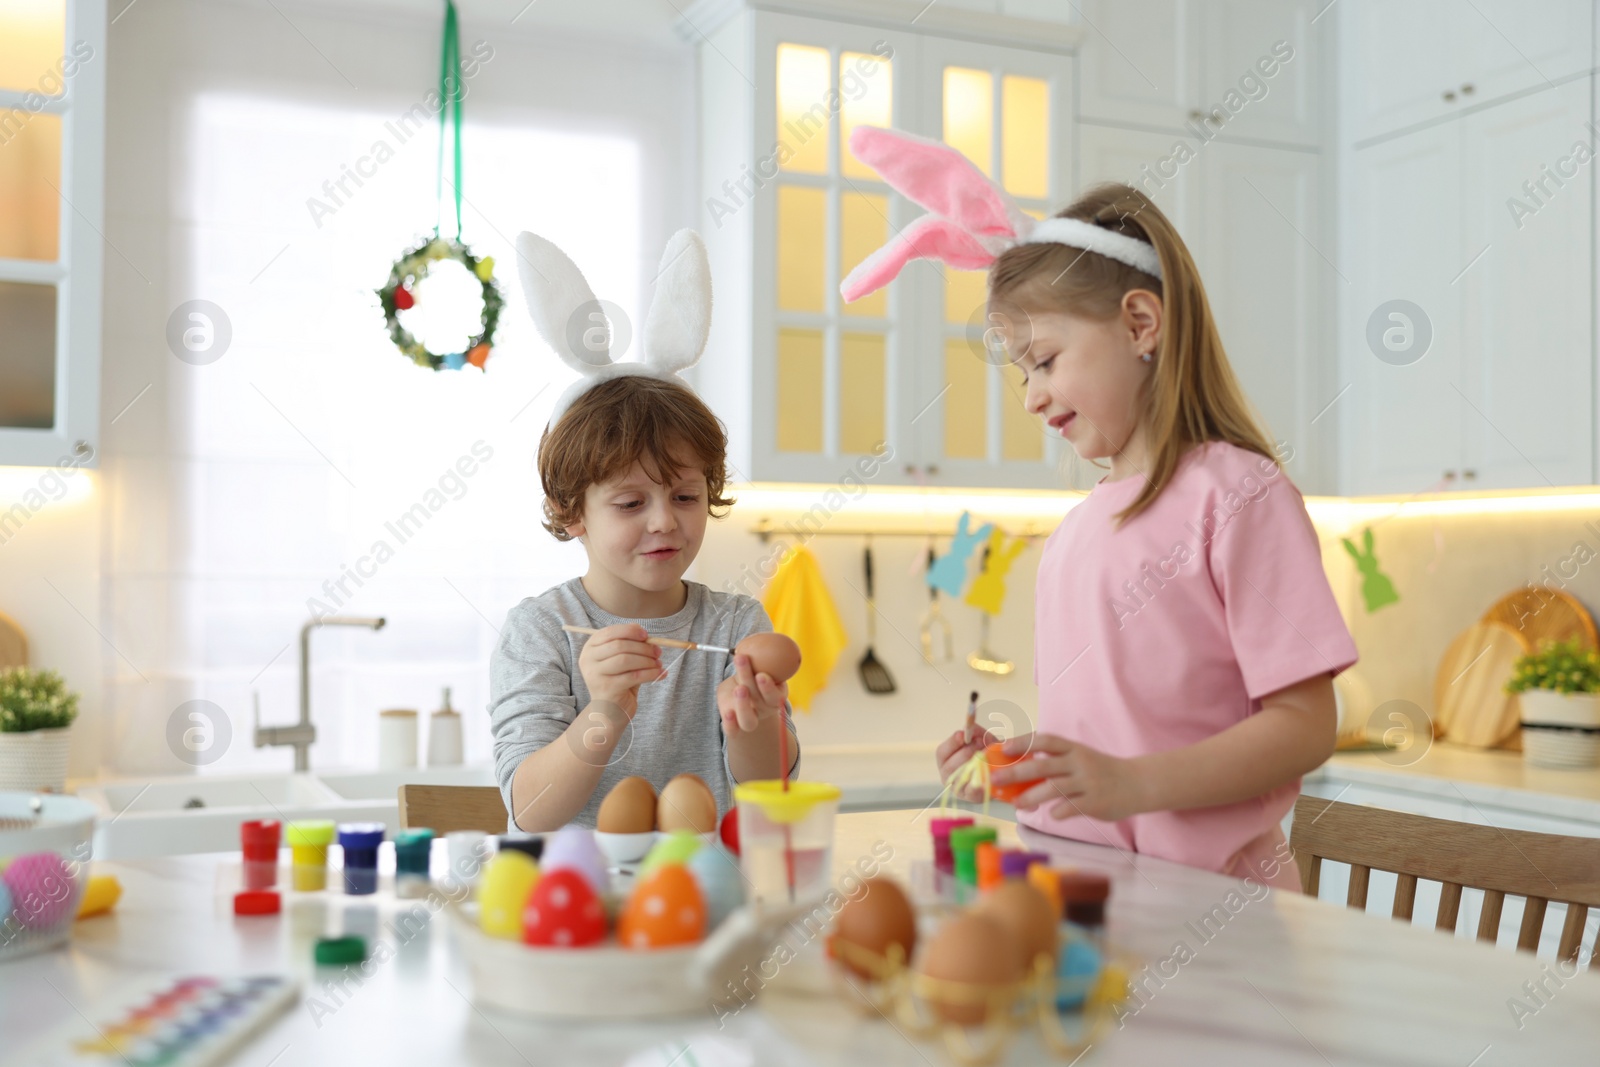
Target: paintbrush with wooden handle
{"type": "Point", "coordinates": [664, 642]}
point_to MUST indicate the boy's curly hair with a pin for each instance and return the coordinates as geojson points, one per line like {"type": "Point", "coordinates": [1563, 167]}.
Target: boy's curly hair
{"type": "Point", "coordinates": [630, 419]}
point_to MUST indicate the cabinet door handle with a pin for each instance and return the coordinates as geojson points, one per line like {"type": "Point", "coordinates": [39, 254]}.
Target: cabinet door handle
{"type": "Point", "coordinates": [931, 470]}
{"type": "Point", "coordinates": [1470, 475]}
{"type": "Point", "coordinates": [1449, 476]}
{"type": "Point", "coordinates": [1468, 89]}
{"type": "Point", "coordinates": [1197, 114]}
{"type": "Point", "coordinates": [1449, 96]}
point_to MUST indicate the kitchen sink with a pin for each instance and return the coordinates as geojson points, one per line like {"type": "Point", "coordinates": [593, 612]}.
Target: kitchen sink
{"type": "Point", "coordinates": [138, 819]}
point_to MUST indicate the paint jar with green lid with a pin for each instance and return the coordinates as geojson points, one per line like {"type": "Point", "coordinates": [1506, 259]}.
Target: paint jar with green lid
{"type": "Point", "coordinates": [964, 842]}
{"type": "Point", "coordinates": [308, 841]}
{"type": "Point", "coordinates": [412, 850]}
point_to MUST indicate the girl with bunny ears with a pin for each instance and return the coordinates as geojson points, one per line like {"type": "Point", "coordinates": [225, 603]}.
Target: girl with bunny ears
{"type": "Point", "coordinates": [1185, 635]}
{"type": "Point", "coordinates": [632, 464]}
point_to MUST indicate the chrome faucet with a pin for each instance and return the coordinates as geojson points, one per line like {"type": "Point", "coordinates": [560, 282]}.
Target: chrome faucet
{"type": "Point", "coordinates": [303, 733]}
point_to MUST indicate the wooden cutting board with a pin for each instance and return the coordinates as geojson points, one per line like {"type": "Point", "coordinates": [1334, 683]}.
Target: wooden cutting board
{"type": "Point", "coordinates": [1541, 615]}
{"type": "Point", "coordinates": [1471, 706]}
{"type": "Point", "coordinates": [13, 645]}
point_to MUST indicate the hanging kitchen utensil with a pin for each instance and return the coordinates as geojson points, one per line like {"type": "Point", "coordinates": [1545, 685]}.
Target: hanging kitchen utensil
{"type": "Point", "coordinates": [933, 619]}
{"type": "Point", "coordinates": [983, 658]}
{"type": "Point", "coordinates": [875, 677]}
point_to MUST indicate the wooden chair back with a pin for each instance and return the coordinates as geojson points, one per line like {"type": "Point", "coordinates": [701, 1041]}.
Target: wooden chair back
{"type": "Point", "coordinates": [1540, 867]}
{"type": "Point", "coordinates": [443, 808]}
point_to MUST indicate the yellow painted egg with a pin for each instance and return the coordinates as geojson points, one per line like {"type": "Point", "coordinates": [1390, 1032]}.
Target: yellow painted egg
{"type": "Point", "coordinates": [507, 882]}
{"type": "Point", "coordinates": [630, 808]}
{"type": "Point", "coordinates": [665, 909]}
{"type": "Point", "coordinates": [687, 803]}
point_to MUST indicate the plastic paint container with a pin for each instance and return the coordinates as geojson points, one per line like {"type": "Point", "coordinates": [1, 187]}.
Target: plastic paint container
{"type": "Point", "coordinates": [258, 840]}
{"type": "Point", "coordinates": [943, 861]}
{"type": "Point", "coordinates": [308, 842]}
{"type": "Point", "coordinates": [412, 850]}
{"type": "Point", "coordinates": [1083, 899]}
{"type": "Point", "coordinates": [964, 841]}
{"type": "Point", "coordinates": [786, 837]}
{"type": "Point", "coordinates": [359, 842]}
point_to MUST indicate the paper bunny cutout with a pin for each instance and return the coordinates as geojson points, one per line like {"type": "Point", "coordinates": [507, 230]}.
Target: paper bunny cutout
{"type": "Point", "coordinates": [1377, 590]}
{"type": "Point", "coordinates": [970, 219]}
{"type": "Point", "coordinates": [571, 321]}
{"type": "Point", "coordinates": [988, 590]}
{"type": "Point", "coordinates": [948, 573]}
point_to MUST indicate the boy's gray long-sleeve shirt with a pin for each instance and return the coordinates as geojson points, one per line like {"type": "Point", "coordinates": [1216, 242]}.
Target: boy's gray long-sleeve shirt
{"type": "Point", "coordinates": [536, 691]}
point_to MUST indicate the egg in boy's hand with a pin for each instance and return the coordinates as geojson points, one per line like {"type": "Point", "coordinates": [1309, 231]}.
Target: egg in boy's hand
{"type": "Point", "coordinates": [749, 698]}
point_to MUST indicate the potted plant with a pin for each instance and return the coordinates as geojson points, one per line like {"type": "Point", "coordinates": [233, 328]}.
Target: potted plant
{"type": "Point", "coordinates": [35, 710]}
{"type": "Point", "coordinates": [1560, 689]}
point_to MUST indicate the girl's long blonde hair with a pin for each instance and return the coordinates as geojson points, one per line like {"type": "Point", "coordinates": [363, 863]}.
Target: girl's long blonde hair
{"type": "Point", "coordinates": [1193, 396]}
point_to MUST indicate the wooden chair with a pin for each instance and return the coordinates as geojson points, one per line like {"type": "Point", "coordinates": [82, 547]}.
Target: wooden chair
{"type": "Point", "coordinates": [443, 808]}
{"type": "Point", "coordinates": [1540, 867]}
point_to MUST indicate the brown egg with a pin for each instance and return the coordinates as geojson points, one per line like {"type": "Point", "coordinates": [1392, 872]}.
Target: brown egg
{"type": "Point", "coordinates": [772, 654]}
{"type": "Point", "coordinates": [976, 951]}
{"type": "Point", "coordinates": [687, 803]}
{"type": "Point", "coordinates": [1027, 913]}
{"type": "Point", "coordinates": [630, 808]}
{"type": "Point", "coordinates": [881, 916]}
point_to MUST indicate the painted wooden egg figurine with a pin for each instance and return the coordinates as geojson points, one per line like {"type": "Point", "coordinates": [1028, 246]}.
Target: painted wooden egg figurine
{"type": "Point", "coordinates": [666, 909]}
{"type": "Point", "coordinates": [716, 872]}
{"type": "Point", "coordinates": [507, 882]}
{"type": "Point", "coordinates": [563, 912]}
{"type": "Point", "coordinates": [574, 848]}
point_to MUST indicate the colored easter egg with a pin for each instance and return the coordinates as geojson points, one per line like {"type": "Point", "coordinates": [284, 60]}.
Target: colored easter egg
{"type": "Point", "coordinates": [574, 847]}
{"type": "Point", "coordinates": [730, 830]}
{"type": "Point", "coordinates": [485, 268]}
{"type": "Point", "coordinates": [1076, 972]}
{"type": "Point", "coordinates": [41, 887]}
{"type": "Point", "coordinates": [508, 879]}
{"type": "Point", "coordinates": [666, 909]}
{"type": "Point", "coordinates": [716, 872]}
{"type": "Point", "coordinates": [478, 355]}
{"type": "Point", "coordinates": [403, 300]}
{"type": "Point", "coordinates": [676, 847]}
{"type": "Point", "coordinates": [563, 911]}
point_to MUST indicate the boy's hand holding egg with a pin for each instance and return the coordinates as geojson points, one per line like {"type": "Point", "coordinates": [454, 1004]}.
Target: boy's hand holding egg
{"type": "Point", "coordinates": [1079, 780]}
{"type": "Point", "coordinates": [763, 665]}
{"type": "Point", "coordinates": [615, 661]}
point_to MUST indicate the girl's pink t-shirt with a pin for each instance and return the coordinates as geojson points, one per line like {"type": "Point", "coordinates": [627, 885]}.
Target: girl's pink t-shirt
{"type": "Point", "coordinates": [1172, 628]}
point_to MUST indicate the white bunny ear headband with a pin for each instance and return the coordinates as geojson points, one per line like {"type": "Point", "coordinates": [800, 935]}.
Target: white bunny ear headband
{"type": "Point", "coordinates": [571, 321]}
{"type": "Point", "coordinates": [970, 219]}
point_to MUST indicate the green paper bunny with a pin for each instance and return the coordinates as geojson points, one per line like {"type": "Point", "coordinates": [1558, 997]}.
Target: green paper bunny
{"type": "Point", "coordinates": [1376, 588]}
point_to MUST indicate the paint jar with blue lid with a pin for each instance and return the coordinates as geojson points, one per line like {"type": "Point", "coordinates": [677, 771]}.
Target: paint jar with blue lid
{"type": "Point", "coordinates": [359, 842]}
{"type": "Point", "coordinates": [412, 849]}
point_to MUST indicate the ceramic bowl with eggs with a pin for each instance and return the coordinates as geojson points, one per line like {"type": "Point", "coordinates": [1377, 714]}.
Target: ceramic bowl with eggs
{"type": "Point", "coordinates": [633, 818]}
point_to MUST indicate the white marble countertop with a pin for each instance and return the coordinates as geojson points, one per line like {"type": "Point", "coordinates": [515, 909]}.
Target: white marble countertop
{"type": "Point", "coordinates": [1279, 979]}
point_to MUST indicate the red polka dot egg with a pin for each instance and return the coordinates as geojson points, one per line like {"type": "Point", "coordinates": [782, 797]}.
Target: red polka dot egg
{"type": "Point", "coordinates": [563, 911]}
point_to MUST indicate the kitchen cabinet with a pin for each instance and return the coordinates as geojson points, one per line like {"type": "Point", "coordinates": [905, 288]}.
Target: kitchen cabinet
{"type": "Point", "coordinates": [1241, 69]}
{"type": "Point", "coordinates": [52, 161]}
{"type": "Point", "coordinates": [899, 383]}
{"type": "Point", "coordinates": [1467, 329]}
{"type": "Point", "coordinates": [1432, 60]}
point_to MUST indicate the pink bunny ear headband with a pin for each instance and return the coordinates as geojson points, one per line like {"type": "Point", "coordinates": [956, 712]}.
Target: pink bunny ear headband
{"type": "Point", "coordinates": [570, 319]}
{"type": "Point", "coordinates": [970, 219]}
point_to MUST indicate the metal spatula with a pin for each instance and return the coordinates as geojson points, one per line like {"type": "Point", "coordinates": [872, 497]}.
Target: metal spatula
{"type": "Point", "coordinates": [875, 677]}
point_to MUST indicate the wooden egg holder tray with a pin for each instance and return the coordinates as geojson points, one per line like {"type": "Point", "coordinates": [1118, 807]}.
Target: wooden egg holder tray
{"type": "Point", "coordinates": [898, 993]}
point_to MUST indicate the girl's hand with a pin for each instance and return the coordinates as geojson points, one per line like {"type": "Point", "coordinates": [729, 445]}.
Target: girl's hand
{"type": "Point", "coordinates": [617, 660]}
{"type": "Point", "coordinates": [747, 699]}
{"type": "Point", "coordinates": [1078, 779]}
{"type": "Point", "coordinates": [953, 751]}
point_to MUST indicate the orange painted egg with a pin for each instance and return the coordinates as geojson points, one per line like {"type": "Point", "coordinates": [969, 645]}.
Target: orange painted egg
{"type": "Point", "coordinates": [772, 654]}
{"type": "Point", "coordinates": [666, 909]}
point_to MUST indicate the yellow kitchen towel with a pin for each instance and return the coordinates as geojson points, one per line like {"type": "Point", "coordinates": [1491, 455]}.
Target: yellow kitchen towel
{"type": "Point", "coordinates": [799, 604]}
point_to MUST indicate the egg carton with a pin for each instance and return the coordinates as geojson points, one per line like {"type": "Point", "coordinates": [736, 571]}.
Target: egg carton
{"type": "Point", "coordinates": [608, 981]}
{"type": "Point", "coordinates": [45, 841]}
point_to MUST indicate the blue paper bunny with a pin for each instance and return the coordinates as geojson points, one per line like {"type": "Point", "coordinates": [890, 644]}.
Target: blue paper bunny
{"type": "Point", "coordinates": [948, 573]}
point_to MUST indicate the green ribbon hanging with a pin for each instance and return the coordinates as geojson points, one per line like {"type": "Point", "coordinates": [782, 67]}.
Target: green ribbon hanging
{"type": "Point", "coordinates": [450, 95]}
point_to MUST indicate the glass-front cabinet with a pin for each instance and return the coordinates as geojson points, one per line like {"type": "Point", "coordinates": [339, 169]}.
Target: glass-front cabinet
{"type": "Point", "coordinates": [52, 103]}
{"type": "Point", "coordinates": [811, 386]}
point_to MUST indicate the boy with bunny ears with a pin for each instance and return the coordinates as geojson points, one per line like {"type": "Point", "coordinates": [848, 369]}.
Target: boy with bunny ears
{"type": "Point", "coordinates": [632, 464]}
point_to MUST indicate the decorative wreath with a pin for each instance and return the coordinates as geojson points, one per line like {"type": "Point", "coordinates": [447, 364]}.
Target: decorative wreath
{"type": "Point", "coordinates": [396, 296]}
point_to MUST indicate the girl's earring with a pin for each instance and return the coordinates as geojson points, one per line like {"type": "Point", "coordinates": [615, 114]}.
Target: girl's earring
{"type": "Point", "coordinates": [1145, 356]}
